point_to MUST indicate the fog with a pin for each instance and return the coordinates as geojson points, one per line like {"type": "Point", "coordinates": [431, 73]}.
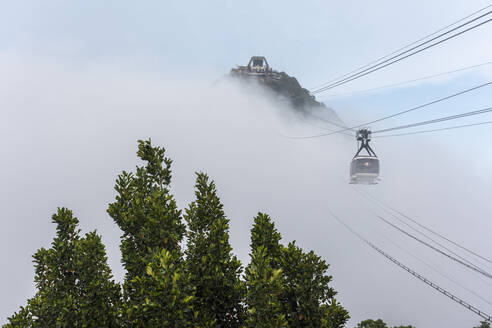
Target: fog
{"type": "Point", "coordinates": [66, 132]}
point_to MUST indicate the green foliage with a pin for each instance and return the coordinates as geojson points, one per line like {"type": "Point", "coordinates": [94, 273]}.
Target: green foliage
{"type": "Point", "coordinates": [265, 289]}
{"type": "Point", "coordinates": [215, 272]}
{"type": "Point", "coordinates": [73, 281]}
{"type": "Point", "coordinates": [304, 297]}
{"type": "Point", "coordinates": [283, 286]}
{"type": "Point", "coordinates": [369, 323]}
{"type": "Point", "coordinates": [483, 324]}
{"type": "Point", "coordinates": [165, 299]}
{"type": "Point", "coordinates": [333, 315]}
{"type": "Point", "coordinates": [288, 87]}
{"type": "Point", "coordinates": [22, 318]}
{"type": "Point", "coordinates": [152, 225]}
{"type": "Point", "coordinates": [307, 287]}
{"type": "Point", "coordinates": [264, 234]}
{"type": "Point", "coordinates": [145, 211]}
{"type": "Point", "coordinates": [100, 296]}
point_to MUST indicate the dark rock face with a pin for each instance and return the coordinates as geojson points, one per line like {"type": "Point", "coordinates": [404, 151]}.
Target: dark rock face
{"type": "Point", "coordinates": [286, 88]}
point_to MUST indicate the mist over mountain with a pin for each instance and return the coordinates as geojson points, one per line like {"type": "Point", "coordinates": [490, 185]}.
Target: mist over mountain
{"type": "Point", "coordinates": [67, 133]}
{"type": "Point", "coordinates": [285, 88]}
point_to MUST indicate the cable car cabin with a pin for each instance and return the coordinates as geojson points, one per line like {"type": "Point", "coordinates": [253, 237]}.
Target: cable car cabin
{"type": "Point", "coordinates": [364, 169]}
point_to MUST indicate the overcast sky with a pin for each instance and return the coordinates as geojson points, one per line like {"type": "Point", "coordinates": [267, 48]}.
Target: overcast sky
{"type": "Point", "coordinates": [81, 82]}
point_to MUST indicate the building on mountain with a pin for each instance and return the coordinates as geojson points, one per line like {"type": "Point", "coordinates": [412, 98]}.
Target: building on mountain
{"type": "Point", "coordinates": [257, 67]}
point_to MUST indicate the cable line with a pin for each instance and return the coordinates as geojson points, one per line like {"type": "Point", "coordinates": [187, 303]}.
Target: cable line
{"type": "Point", "coordinates": [429, 229]}
{"type": "Point", "coordinates": [398, 113]}
{"type": "Point", "coordinates": [338, 125]}
{"type": "Point", "coordinates": [471, 267]}
{"type": "Point", "coordinates": [408, 82]}
{"type": "Point", "coordinates": [404, 47]}
{"type": "Point", "coordinates": [420, 232]}
{"type": "Point", "coordinates": [439, 272]}
{"type": "Point", "coordinates": [437, 120]}
{"type": "Point", "coordinates": [434, 130]}
{"type": "Point", "coordinates": [378, 67]}
{"type": "Point", "coordinates": [458, 300]}
{"type": "Point", "coordinates": [323, 128]}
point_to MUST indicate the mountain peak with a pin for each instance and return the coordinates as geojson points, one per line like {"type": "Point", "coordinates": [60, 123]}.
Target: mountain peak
{"type": "Point", "coordinates": [282, 85]}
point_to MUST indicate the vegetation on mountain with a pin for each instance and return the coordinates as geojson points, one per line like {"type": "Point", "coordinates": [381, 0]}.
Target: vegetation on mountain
{"type": "Point", "coordinates": [288, 88]}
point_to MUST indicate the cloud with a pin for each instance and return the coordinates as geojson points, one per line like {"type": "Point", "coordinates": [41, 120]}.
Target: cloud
{"type": "Point", "coordinates": [67, 132]}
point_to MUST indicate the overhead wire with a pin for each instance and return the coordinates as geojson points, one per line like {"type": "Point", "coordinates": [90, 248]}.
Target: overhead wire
{"type": "Point", "coordinates": [397, 58]}
{"type": "Point", "coordinates": [437, 120]}
{"type": "Point", "coordinates": [320, 127]}
{"type": "Point", "coordinates": [339, 125]}
{"type": "Point", "coordinates": [409, 81]}
{"type": "Point", "coordinates": [415, 274]}
{"type": "Point", "coordinates": [443, 291]}
{"type": "Point", "coordinates": [404, 47]}
{"type": "Point", "coordinates": [470, 263]}
{"type": "Point", "coordinates": [433, 268]}
{"type": "Point", "coordinates": [376, 200]}
{"type": "Point", "coordinates": [433, 130]}
{"type": "Point", "coordinates": [471, 267]}
{"type": "Point", "coordinates": [398, 113]}
{"type": "Point", "coordinates": [369, 199]}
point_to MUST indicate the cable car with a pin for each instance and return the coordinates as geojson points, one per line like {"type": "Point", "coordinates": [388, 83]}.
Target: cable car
{"type": "Point", "coordinates": [364, 169]}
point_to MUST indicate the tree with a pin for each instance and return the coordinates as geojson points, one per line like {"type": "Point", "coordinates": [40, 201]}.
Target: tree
{"type": "Point", "coordinates": [167, 296]}
{"type": "Point", "coordinates": [264, 234]}
{"type": "Point", "coordinates": [98, 297]}
{"type": "Point", "coordinates": [284, 286]}
{"type": "Point", "coordinates": [483, 324]}
{"type": "Point", "coordinates": [152, 228]}
{"type": "Point", "coordinates": [304, 294]}
{"type": "Point", "coordinates": [333, 315]}
{"type": "Point", "coordinates": [74, 282]}
{"type": "Point", "coordinates": [145, 211]}
{"type": "Point", "coordinates": [264, 292]}
{"type": "Point", "coordinates": [307, 287]}
{"type": "Point", "coordinates": [214, 271]}
{"type": "Point", "coordinates": [22, 318]}
{"type": "Point", "coordinates": [369, 323]}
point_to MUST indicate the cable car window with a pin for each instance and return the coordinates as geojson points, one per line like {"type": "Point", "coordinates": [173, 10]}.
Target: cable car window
{"type": "Point", "coordinates": [367, 165]}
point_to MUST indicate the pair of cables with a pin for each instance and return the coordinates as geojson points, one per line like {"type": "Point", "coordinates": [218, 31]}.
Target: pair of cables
{"type": "Point", "coordinates": [412, 109]}
{"type": "Point", "coordinates": [451, 31]}
{"type": "Point", "coordinates": [438, 246]}
{"type": "Point", "coordinates": [443, 291]}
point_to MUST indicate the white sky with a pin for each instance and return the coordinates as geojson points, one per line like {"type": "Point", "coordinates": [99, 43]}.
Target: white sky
{"type": "Point", "coordinates": [80, 82]}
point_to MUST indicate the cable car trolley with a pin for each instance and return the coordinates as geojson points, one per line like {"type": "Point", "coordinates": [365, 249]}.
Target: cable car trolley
{"type": "Point", "coordinates": [364, 169]}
